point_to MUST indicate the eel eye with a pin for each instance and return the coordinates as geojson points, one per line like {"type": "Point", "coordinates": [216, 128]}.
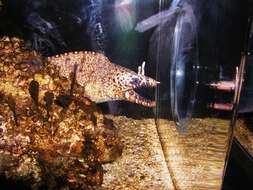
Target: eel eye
{"type": "Point", "coordinates": [135, 81]}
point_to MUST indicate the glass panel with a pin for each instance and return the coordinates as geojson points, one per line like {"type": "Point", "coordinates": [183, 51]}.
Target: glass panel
{"type": "Point", "coordinates": [200, 85]}
{"type": "Point", "coordinates": [243, 128]}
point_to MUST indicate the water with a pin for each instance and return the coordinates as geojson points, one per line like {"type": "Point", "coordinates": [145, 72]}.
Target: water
{"type": "Point", "coordinates": [146, 65]}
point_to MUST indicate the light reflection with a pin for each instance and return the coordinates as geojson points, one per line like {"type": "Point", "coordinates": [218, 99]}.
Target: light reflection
{"type": "Point", "coordinates": [125, 13]}
{"type": "Point", "coordinates": [179, 73]}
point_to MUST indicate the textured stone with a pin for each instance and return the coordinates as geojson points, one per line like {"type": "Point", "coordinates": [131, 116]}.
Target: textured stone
{"type": "Point", "coordinates": [50, 135]}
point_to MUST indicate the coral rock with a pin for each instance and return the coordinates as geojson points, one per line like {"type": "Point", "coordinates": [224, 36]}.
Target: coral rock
{"type": "Point", "coordinates": [50, 135]}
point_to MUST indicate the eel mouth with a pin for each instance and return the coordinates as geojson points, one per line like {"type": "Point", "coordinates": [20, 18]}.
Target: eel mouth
{"type": "Point", "coordinates": [134, 97]}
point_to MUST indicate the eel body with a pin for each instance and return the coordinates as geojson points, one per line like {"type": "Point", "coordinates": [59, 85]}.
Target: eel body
{"type": "Point", "coordinates": [102, 80]}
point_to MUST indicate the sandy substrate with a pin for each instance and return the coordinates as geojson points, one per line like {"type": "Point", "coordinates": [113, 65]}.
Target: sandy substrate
{"type": "Point", "coordinates": [196, 158]}
{"type": "Point", "coordinates": [244, 135]}
{"type": "Point", "coordinates": [142, 165]}
{"type": "Point", "coordinates": [160, 158]}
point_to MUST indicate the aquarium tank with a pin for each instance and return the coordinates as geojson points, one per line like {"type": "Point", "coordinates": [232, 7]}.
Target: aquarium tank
{"type": "Point", "coordinates": [122, 94]}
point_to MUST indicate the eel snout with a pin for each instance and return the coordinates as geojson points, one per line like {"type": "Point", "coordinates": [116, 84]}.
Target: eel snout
{"type": "Point", "coordinates": [136, 82]}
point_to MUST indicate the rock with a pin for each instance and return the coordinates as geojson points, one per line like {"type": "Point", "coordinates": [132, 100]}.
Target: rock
{"type": "Point", "coordinates": [50, 135]}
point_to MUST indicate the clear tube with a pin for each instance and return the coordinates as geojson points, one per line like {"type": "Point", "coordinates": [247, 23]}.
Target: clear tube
{"type": "Point", "coordinates": [184, 67]}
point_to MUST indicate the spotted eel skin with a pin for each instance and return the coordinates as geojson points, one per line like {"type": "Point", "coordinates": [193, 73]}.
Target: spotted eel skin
{"type": "Point", "coordinates": [102, 80]}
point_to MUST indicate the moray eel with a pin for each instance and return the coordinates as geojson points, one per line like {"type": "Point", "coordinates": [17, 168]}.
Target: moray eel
{"type": "Point", "coordinates": [102, 80]}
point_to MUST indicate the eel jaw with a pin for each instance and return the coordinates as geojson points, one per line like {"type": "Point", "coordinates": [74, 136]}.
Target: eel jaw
{"type": "Point", "coordinates": [132, 96]}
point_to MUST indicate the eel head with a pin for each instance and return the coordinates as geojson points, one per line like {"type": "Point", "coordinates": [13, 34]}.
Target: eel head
{"type": "Point", "coordinates": [128, 82]}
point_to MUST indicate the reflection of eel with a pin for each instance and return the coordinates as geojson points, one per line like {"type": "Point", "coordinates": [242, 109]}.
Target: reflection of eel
{"type": "Point", "coordinates": [103, 80]}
